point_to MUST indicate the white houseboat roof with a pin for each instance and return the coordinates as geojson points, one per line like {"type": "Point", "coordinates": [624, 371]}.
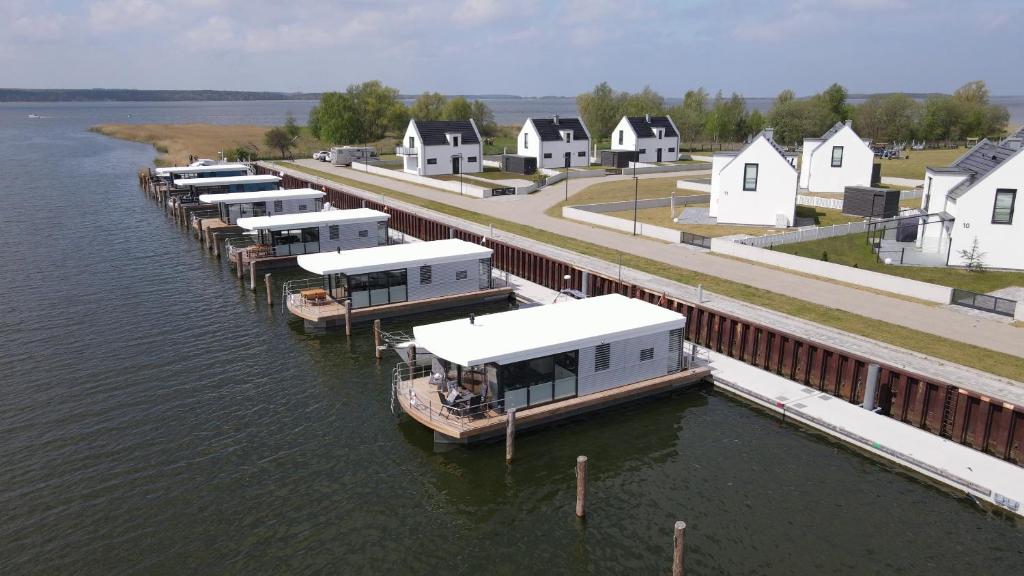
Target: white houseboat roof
{"type": "Point", "coordinates": [225, 180]}
{"type": "Point", "coordinates": [309, 219]}
{"type": "Point", "coordinates": [392, 257]}
{"type": "Point", "coordinates": [544, 330]}
{"type": "Point", "coordinates": [244, 197]}
{"type": "Point", "coordinates": [169, 170]}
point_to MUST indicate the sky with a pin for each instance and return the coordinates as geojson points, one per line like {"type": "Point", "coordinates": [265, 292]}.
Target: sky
{"type": "Point", "coordinates": [523, 47]}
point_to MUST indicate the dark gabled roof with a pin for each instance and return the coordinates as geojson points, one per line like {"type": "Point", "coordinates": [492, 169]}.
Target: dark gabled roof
{"type": "Point", "coordinates": [432, 132]}
{"type": "Point", "coordinates": [977, 162]}
{"type": "Point", "coordinates": [550, 132]}
{"type": "Point", "coordinates": [832, 131]}
{"type": "Point", "coordinates": [767, 134]}
{"type": "Point", "coordinates": [643, 129]}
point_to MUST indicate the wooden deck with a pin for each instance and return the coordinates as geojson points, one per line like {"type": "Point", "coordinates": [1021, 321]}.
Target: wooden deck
{"type": "Point", "coordinates": [332, 312]}
{"type": "Point", "coordinates": [420, 401]}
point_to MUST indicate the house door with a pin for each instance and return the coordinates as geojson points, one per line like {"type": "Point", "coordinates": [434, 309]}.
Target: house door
{"type": "Point", "coordinates": [568, 159]}
{"type": "Point", "coordinates": [456, 165]}
{"type": "Point", "coordinates": [659, 154]}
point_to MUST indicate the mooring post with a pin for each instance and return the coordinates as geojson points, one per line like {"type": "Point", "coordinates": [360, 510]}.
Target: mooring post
{"type": "Point", "coordinates": [581, 486]}
{"type": "Point", "coordinates": [412, 355]}
{"type": "Point", "coordinates": [270, 289]}
{"type": "Point", "coordinates": [677, 548]}
{"type": "Point", "coordinates": [252, 275]}
{"type": "Point", "coordinates": [376, 339]}
{"type": "Point", "coordinates": [510, 435]}
{"type": "Point", "coordinates": [700, 293]}
{"type": "Point", "coordinates": [871, 386]}
{"type": "Point", "coordinates": [585, 283]}
{"type": "Point", "coordinates": [348, 317]}
{"type": "Point", "coordinates": [239, 265]}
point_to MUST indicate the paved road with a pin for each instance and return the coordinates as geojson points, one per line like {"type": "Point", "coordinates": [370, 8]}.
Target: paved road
{"type": "Point", "coordinates": [944, 321]}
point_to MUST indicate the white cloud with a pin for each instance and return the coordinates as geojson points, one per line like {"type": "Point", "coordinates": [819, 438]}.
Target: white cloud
{"type": "Point", "coordinates": [480, 11]}
{"type": "Point", "coordinates": [105, 15]}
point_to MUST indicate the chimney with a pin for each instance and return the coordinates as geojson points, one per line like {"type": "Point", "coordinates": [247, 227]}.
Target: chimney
{"type": "Point", "coordinates": [648, 118]}
{"type": "Point", "coordinates": [849, 121]}
{"type": "Point", "coordinates": [1013, 143]}
{"type": "Point", "coordinates": [769, 133]}
{"type": "Point", "coordinates": [556, 120]}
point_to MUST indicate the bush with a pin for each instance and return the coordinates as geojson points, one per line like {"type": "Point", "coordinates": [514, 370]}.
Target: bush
{"type": "Point", "coordinates": [824, 255]}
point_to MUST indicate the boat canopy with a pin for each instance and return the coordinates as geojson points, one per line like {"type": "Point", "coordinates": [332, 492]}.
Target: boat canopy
{"type": "Point", "coordinates": [393, 257]}
{"type": "Point", "coordinates": [225, 181]}
{"type": "Point", "coordinates": [310, 219]}
{"type": "Point", "coordinates": [173, 170]}
{"type": "Point", "coordinates": [246, 197]}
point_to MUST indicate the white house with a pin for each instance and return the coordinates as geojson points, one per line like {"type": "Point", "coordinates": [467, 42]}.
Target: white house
{"type": "Point", "coordinates": [552, 141]}
{"type": "Point", "coordinates": [838, 159]}
{"type": "Point", "coordinates": [756, 185]}
{"type": "Point", "coordinates": [435, 147]}
{"type": "Point", "coordinates": [975, 197]}
{"type": "Point", "coordinates": [654, 138]}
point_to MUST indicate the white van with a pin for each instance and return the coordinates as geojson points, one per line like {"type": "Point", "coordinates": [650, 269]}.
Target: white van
{"type": "Point", "coordinates": [345, 155]}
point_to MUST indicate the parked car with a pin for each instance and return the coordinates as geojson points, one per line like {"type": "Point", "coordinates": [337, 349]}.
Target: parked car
{"type": "Point", "coordinates": [322, 155]}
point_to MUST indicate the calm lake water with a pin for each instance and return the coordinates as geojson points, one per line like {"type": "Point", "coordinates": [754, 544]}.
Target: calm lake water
{"type": "Point", "coordinates": [157, 418]}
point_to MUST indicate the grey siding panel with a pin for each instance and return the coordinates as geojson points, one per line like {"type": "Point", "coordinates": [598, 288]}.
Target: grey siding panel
{"type": "Point", "coordinates": [348, 237]}
{"type": "Point", "coordinates": [443, 282]}
{"type": "Point", "coordinates": [626, 367]}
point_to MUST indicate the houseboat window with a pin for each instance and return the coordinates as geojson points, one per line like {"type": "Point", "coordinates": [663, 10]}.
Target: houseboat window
{"type": "Point", "coordinates": [565, 374]}
{"type": "Point", "coordinates": [358, 290]}
{"type": "Point", "coordinates": [311, 234]}
{"type": "Point", "coordinates": [382, 233]}
{"type": "Point", "coordinates": [646, 354]}
{"type": "Point", "coordinates": [547, 154]}
{"type": "Point", "coordinates": [426, 274]}
{"type": "Point", "coordinates": [538, 380]}
{"type": "Point", "coordinates": [431, 160]}
{"type": "Point", "coordinates": [303, 207]}
{"type": "Point", "coordinates": [1002, 212]}
{"type": "Point", "coordinates": [471, 160]}
{"type": "Point", "coordinates": [379, 293]}
{"type": "Point", "coordinates": [602, 357]}
{"type": "Point", "coordinates": [461, 274]}
{"type": "Point", "coordinates": [837, 156]}
{"type": "Point", "coordinates": [397, 286]}
{"type": "Point", "coordinates": [750, 177]}
{"type": "Point", "coordinates": [278, 205]}
{"type": "Point", "coordinates": [620, 136]}
{"type": "Point", "coordinates": [364, 233]}
{"type": "Point", "coordinates": [333, 231]}
{"type": "Point", "coordinates": [259, 208]}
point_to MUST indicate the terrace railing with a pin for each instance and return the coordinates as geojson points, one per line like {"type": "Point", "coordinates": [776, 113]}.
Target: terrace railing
{"type": "Point", "coordinates": [405, 151]}
{"type": "Point", "coordinates": [461, 418]}
{"type": "Point", "coordinates": [984, 302]}
{"type": "Point", "coordinates": [291, 291]}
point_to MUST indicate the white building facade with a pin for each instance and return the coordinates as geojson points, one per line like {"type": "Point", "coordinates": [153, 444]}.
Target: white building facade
{"type": "Point", "coordinates": [555, 142]}
{"type": "Point", "coordinates": [653, 138]}
{"type": "Point", "coordinates": [975, 198]}
{"type": "Point", "coordinates": [755, 186]}
{"type": "Point", "coordinates": [838, 159]}
{"type": "Point", "coordinates": [438, 147]}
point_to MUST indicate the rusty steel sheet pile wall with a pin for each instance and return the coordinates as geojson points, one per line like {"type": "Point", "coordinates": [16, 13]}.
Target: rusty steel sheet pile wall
{"type": "Point", "coordinates": [951, 410]}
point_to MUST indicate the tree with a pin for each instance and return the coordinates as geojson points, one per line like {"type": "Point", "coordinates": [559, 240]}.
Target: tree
{"type": "Point", "coordinates": [279, 139]}
{"type": "Point", "coordinates": [646, 101]}
{"type": "Point", "coordinates": [362, 113]}
{"type": "Point", "coordinates": [600, 109]}
{"type": "Point", "coordinates": [339, 119]}
{"type": "Point", "coordinates": [314, 121]}
{"type": "Point", "coordinates": [977, 117]}
{"type": "Point", "coordinates": [457, 108]}
{"type": "Point", "coordinates": [691, 115]}
{"type": "Point", "coordinates": [481, 113]}
{"type": "Point", "coordinates": [834, 102]}
{"type": "Point", "coordinates": [939, 120]}
{"type": "Point", "coordinates": [380, 108]}
{"type": "Point", "coordinates": [887, 117]}
{"type": "Point", "coordinates": [973, 257]}
{"type": "Point", "coordinates": [756, 122]}
{"type": "Point", "coordinates": [428, 106]}
{"type": "Point", "coordinates": [788, 118]}
{"type": "Point", "coordinates": [291, 127]}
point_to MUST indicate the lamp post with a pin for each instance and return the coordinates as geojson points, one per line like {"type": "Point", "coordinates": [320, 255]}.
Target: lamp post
{"type": "Point", "coordinates": [567, 161]}
{"type": "Point", "coordinates": [636, 184]}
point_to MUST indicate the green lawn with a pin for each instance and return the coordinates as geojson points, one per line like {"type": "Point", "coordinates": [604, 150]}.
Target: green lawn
{"type": "Point", "coordinates": [619, 190]}
{"type": "Point", "coordinates": [825, 216]}
{"type": "Point", "coordinates": [660, 217]}
{"type": "Point", "coordinates": [1005, 365]}
{"type": "Point", "coordinates": [913, 166]}
{"type": "Point", "coordinates": [852, 250]}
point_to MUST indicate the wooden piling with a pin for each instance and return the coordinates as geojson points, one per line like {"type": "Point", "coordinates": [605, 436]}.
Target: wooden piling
{"type": "Point", "coordinates": [510, 435]}
{"type": "Point", "coordinates": [377, 350]}
{"type": "Point", "coordinates": [270, 289]}
{"type": "Point", "coordinates": [252, 275]}
{"type": "Point", "coordinates": [412, 355]}
{"type": "Point", "coordinates": [581, 486]}
{"type": "Point", "coordinates": [677, 548]}
{"type": "Point", "coordinates": [348, 317]}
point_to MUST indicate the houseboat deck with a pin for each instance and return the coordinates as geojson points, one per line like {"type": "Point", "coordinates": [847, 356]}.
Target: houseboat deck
{"type": "Point", "coordinates": [418, 398]}
{"type": "Point", "coordinates": [314, 306]}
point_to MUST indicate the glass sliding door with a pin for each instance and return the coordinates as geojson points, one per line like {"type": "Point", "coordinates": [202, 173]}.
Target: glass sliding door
{"type": "Point", "coordinates": [565, 374]}
{"type": "Point", "coordinates": [538, 380]}
{"type": "Point", "coordinates": [359, 290]}
{"type": "Point", "coordinates": [310, 240]}
{"type": "Point", "coordinates": [397, 289]}
{"type": "Point", "coordinates": [378, 284]}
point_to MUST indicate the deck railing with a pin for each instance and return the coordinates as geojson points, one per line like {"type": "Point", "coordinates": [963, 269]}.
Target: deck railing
{"type": "Point", "coordinates": [460, 418]}
{"type": "Point", "coordinates": [291, 293]}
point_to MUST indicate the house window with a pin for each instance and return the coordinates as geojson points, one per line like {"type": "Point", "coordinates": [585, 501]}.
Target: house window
{"type": "Point", "coordinates": [426, 274]}
{"type": "Point", "coordinates": [660, 134]}
{"type": "Point", "coordinates": [455, 140]}
{"type": "Point", "coordinates": [278, 205]}
{"type": "Point", "coordinates": [647, 354]}
{"type": "Point", "coordinates": [461, 275]}
{"type": "Point", "coordinates": [526, 141]}
{"type": "Point", "coordinates": [620, 136]}
{"type": "Point", "coordinates": [471, 160]}
{"type": "Point", "coordinates": [602, 357]}
{"type": "Point", "coordinates": [412, 141]}
{"type": "Point", "coordinates": [643, 150]}
{"type": "Point", "coordinates": [671, 149]}
{"type": "Point", "coordinates": [837, 156]}
{"type": "Point", "coordinates": [750, 177]}
{"type": "Point", "coordinates": [431, 160]}
{"type": "Point", "coordinates": [547, 154]}
{"type": "Point", "coordinates": [928, 195]}
{"type": "Point", "coordinates": [364, 233]}
{"type": "Point", "coordinates": [1002, 212]}
{"type": "Point", "coordinates": [333, 232]}
{"type": "Point", "coordinates": [568, 137]}
{"type": "Point", "coordinates": [581, 153]}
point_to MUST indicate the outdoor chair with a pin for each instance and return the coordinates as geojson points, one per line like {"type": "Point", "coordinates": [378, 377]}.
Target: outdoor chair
{"type": "Point", "coordinates": [447, 408]}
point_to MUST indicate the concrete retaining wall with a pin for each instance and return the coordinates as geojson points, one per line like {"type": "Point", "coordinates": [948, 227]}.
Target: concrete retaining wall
{"type": "Point", "coordinates": [465, 188]}
{"type": "Point", "coordinates": [856, 276]}
{"type": "Point", "coordinates": [892, 180]}
{"type": "Point", "coordinates": [621, 224]}
{"type": "Point", "coordinates": [698, 186]}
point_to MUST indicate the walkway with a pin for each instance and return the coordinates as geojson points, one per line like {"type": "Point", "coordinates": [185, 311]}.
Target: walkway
{"type": "Point", "coordinates": [529, 210]}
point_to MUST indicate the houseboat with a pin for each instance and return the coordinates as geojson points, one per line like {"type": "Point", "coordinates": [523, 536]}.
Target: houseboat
{"type": "Point", "coordinates": [224, 184]}
{"type": "Point", "coordinates": [546, 362]}
{"type": "Point", "coordinates": [392, 280]}
{"type": "Point", "coordinates": [235, 205]}
{"type": "Point", "coordinates": [170, 173]}
{"type": "Point", "coordinates": [290, 235]}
